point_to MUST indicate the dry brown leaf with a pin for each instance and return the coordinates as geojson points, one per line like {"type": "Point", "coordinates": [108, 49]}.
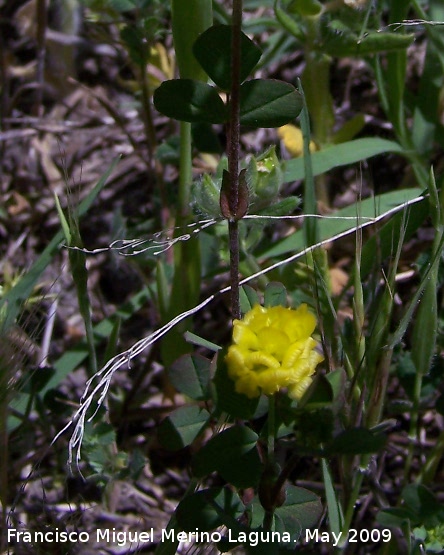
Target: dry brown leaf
{"type": "Point", "coordinates": [338, 279]}
{"type": "Point", "coordinates": [19, 206]}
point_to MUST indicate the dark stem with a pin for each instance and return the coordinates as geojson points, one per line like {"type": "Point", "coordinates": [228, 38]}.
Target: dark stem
{"type": "Point", "coordinates": [268, 520]}
{"type": "Point", "coordinates": [233, 156]}
{"type": "Point", "coordinates": [233, 153]}
{"type": "Point", "coordinates": [233, 234]}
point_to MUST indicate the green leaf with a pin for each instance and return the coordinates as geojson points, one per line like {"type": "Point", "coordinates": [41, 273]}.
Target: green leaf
{"type": "Point", "coordinates": [368, 208]}
{"type": "Point", "coordinates": [170, 544]}
{"type": "Point", "coordinates": [268, 103]}
{"type": "Point", "coordinates": [420, 500]}
{"type": "Point", "coordinates": [394, 518]}
{"type": "Point", "coordinates": [301, 506]}
{"type": "Point", "coordinates": [245, 472]}
{"type": "Point", "coordinates": [136, 464]}
{"type": "Point", "coordinates": [189, 100]}
{"type": "Point", "coordinates": [214, 53]}
{"type": "Point", "coordinates": [168, 151]}
{"type": "Point", "coordinates": [356, 441]}
{"type": "Point", "coordinates": [337, 379]}
{"type": "Point", "coordinates": [350, 129]}
{"type": "Point", "coordinates": [335, 514]}
{"type": "Point", "coordinates": [237, 405]}
{"type": "Point", "coordinates": [289, 523]}
{"type": "Point", "coordinates": [425, 125]}
{"type": "Point", "coordinates": [345, 43]}
{"type": "Point", "coordinates": [265, 178]}
{"type": "Point", "coordinates": [289, 23]}
{"type": "Point", "coordinates": [340, 155]}
{"type": "Point", "coordinates": [208, 509]}
{"type": "Point", "coordinates": [305, 7]}
{"type": "Point", "coordinates": [190, 374]}
{"type": "Point", "coordinates": [248, 298]}
{"type": "Point", "coordinates": [182, 427]}
{"type": "Point", "coordinates": [63, 221]}
{"type": "Point", "coordinates": [321, 394]}
{"type": "Point", "coordinates": [425, 329]}
{"type": "Point", "coordinates": [233, 454]}
{"type": "Point", "coordinates": [324, 107]}
{"type": "Point", "coordinates": [275, 294]}
{"type": "Point", "coordinates": [194, 339]}
{"type": "Point", "coordinates": [206, 196]}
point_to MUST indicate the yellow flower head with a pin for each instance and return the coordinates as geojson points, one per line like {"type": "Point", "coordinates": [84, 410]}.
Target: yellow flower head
{"type": "Point", "coordinates": [273, 348]}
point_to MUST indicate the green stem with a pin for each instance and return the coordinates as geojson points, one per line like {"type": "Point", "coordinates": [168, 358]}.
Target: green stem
{"type": "Point", "coordinates": [80, 278]}
{"type": "Point", "coordinates": [350, 510]}
{"type": "Point", "coordinates": [414, 425]}
{"type": "Point", "coordinates": [150, 132]}
{"type": "Point", "coordinates": [428, 470]}
{"type": "Point", "coordinates": [310, 225]}
{"type": "Point", "coordinates": [378, 389]}
{"type": "Point", "coordinates": [425, 329]}
{"type": "Point", "coordinates": [186, 282]}
{"type": "Point", "coordinates": [316, 81]}
{"type": "Point", "coordinates": [186, 175]}
{"type": "Point", "coordinates": [269, 513]}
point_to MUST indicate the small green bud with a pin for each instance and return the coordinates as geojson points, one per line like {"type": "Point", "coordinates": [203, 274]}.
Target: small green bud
{"type": "Point", "coordinates": [270, 178]}
{"type": "Point", "coordinates": [251, 176]}
{"type": "Point", "coordinates": [205, 196]}
{"type": "Point", "coordinates": [251, 236]}
{"type": "Point", "coordinates": [223, 165]}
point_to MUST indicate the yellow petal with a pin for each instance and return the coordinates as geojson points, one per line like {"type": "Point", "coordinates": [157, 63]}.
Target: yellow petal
{"type": "Point", "coordinates": [273, 341]}
{"type": "Point", "coordinates": [244, 335]}
{"type": "Point", "coordinates": [260, 361]}
{"type": "Point", "coordinates": [298, 389]}
{"type": "Point", "coordinates": [293, 140]}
